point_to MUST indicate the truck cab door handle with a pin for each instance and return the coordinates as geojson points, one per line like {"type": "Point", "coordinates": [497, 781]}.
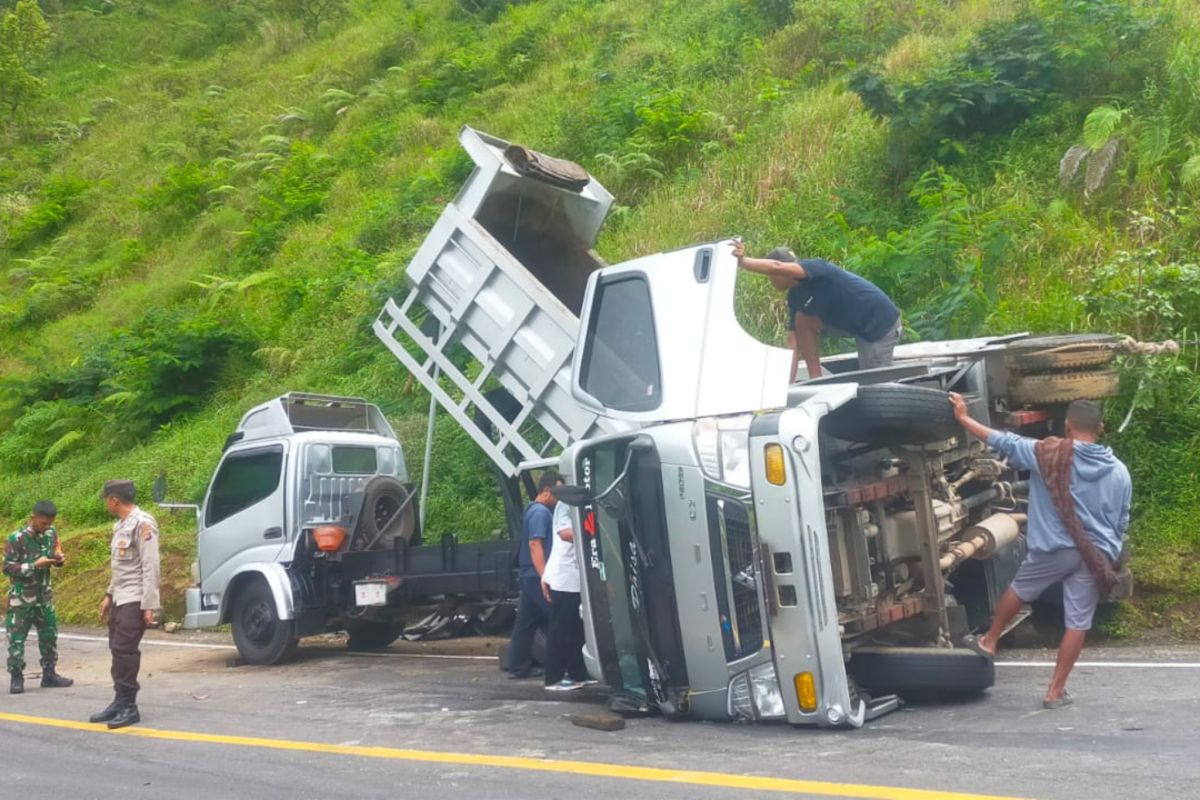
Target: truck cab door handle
{"type": "Point", "coordinates": [273, 533]}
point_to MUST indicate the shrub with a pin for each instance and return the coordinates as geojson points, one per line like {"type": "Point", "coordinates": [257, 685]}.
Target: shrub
{"type": "Point", "coordinates": [182, 193]}
{"type": "Point", "coordinates": [59, 201]}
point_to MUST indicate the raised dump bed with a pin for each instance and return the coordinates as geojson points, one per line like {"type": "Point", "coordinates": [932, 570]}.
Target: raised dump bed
{"type": "Point", "coordinates": [502, 277]}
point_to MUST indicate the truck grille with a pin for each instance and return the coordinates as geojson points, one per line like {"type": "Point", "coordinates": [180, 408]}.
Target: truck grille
{"type": "Point", "coordinates": [735, 572]}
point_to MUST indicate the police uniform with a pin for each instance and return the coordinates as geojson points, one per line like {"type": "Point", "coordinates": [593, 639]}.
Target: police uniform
{"type": "Point", "coordinates": [134, 590]}
{"type": "Point", "coordinates": [30, 598]}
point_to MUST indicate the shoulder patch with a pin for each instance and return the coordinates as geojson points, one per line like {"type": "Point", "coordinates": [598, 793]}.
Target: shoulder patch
{"type": "Point", "coordinates": [147, 532]}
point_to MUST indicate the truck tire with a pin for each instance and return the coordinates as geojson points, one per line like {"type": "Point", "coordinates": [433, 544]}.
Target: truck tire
{"type": "Point", "coordinates": [921, 670]}
{"type": "Point", "coordinates": [383, 497]}
{"type": "Point", "coordinates": [1062, 387]}
{"type": "Point", "coordinates": [262, 638]}
{"type": "Point", "coordinates": [366, 637]}
{"type": "Point", "coordinates": [1049, 353]}
{"type": "Point", "coordinates": [893, 413]}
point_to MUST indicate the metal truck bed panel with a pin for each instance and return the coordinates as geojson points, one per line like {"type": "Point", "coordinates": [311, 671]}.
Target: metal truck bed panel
{"type": "Point", "coordinates": [501, 274]}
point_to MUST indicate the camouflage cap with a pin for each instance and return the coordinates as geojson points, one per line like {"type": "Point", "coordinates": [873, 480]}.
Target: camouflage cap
{"type": "Point", "coordinates": [782, 254]}
{"type": "Point", "coordinates": [122, 490]}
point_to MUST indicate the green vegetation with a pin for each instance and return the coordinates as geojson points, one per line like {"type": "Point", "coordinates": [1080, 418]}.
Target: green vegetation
{"type": "Point", "coordinates": [203, 203]}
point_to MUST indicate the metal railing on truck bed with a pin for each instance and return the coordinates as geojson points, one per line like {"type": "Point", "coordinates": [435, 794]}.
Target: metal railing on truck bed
{"type": "Point", "coordinates": [502, 275]}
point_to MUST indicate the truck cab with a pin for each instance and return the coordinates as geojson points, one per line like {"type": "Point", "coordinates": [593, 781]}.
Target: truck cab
{"type": "Point", "coordinates": [293, 464]}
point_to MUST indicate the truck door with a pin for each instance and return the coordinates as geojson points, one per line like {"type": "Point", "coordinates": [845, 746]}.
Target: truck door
{"type": "Point", "coordinates": [243, 520]}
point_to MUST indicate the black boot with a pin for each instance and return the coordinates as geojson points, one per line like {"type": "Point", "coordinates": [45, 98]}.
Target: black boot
{"type": "Point", "coordinates": [18, 683]}
{"type": "Point", "coordinates": [126, 715]}
{"type": "Point", "coordinates": [52, 680]}
{"type": "Point", "coordinates": [104, 716]}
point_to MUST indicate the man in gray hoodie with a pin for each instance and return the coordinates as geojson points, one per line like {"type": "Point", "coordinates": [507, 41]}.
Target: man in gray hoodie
{"type": "Point", "coordinates": [1101, 490]}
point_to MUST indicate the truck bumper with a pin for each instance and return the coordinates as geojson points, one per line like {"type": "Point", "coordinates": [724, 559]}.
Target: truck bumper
{"type": "Point", "coordinates": [805, 634]}
{"type": "Point", "coordinates": [196, 617]}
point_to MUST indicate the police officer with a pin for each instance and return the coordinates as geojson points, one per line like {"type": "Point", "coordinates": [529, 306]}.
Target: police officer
{"type": "Point", "coordinates": [131, 599]}
{"type": "Point", "coordinates": [28, 556]}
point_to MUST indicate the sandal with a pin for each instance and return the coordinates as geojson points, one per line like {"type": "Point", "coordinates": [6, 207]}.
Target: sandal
{"type": "Point", "coordinates": [972, 642]}
{"type": "Point", "coordinates": [1061, 702]}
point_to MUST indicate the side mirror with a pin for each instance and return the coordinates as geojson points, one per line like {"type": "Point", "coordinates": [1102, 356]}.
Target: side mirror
{"type": "Point", "coordinates": [577, 496]}
{"type": "Point", "coordinates": [159, 492]}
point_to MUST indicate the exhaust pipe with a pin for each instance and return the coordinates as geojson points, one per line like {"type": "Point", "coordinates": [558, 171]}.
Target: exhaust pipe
{"type": "Point", "coordinates": [993, 534]}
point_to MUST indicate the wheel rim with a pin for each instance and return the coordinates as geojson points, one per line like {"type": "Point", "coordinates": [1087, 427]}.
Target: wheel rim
{"type": "Point", "coordinates": [258, 622]}
{"type": "Point", "coordinates": [386, 508]}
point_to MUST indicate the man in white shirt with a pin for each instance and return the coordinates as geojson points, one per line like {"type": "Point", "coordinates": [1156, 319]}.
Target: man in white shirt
{"type": "Point", "coordinates": [565, 670]}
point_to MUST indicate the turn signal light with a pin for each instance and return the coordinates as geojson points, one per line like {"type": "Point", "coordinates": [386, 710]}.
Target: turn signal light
{"type": "Point", "coordinates": [806, 692]}
{"type": "Point", "coordinates": [776, 473]}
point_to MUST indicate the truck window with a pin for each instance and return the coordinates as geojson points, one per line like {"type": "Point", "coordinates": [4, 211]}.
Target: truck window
{"type": "Point", "coordinates": [354, 460]}
{"type": "Point", "coordinates": [243, 480]}
{"type": "Point", "coordinates": [620, 359]}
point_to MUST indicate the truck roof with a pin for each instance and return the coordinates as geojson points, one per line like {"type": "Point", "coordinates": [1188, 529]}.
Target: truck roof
{"type": "Point", "coordinates": [299, 412]}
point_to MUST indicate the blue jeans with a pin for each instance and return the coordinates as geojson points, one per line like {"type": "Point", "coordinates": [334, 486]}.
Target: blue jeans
{"type": "Point", "coordinates": [533, 612]}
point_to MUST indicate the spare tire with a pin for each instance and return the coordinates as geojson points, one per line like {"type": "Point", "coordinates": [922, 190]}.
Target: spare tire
{"type": "Point", "coordinates": [388, 513]}
{"type": "Point", "coordinates": [369, 636]}
{"type": "Point", "coordinates": [1072, 351]}
{"type": "Point", "coordinates": [894, 413]}
{"type": "Point", "coordinates": [1062, 387]}
{"type": "Point", "coordinates": [921, 670]}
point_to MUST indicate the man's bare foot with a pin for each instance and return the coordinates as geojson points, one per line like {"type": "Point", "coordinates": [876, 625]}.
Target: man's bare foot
{"type": "Point", "coordinates": [986, 643]}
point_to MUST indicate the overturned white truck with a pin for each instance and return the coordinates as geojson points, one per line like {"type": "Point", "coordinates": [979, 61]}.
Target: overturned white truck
{"type": "Point", "coordinates": [751, 549]}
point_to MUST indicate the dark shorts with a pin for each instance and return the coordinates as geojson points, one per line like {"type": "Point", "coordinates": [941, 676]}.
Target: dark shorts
{"type": "Point", "coordinates": [872, 355]}
{"type": "Point", "coordinates": [1039, 571]}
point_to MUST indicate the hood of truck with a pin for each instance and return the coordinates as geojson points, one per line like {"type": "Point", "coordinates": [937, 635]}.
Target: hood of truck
{"type": "Point", "coordinates": [660, 341]}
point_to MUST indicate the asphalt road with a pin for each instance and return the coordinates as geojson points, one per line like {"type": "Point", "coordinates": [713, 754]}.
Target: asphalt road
{"type": "Point", "coordinates": [417, 725]}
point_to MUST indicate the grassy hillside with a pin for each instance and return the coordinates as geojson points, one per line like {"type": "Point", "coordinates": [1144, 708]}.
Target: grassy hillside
{"type": "Point", "coordinates": [209, 200]}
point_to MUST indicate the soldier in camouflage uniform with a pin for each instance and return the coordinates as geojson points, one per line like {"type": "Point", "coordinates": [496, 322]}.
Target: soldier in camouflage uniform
{"type": "Point", "coordinates": [28, 556]}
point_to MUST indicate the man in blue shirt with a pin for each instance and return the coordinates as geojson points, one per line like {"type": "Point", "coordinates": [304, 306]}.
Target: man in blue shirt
{"type": "Point", "coordinates": [1101, 489]}
{"type": "Point", "coordinates": [821, 295]}
{"type": "Point", "coordinates": [533, 611]}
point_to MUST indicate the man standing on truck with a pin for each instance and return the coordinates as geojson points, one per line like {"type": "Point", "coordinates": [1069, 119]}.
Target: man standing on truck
{"type": "Point", "coordinates": [1079, 499]}
{"type": "Point", "coordinates": [565, 670]}
{"type": "Point", "coordinates": [131, 599]}
{"type": "Point", "coordinates": [28, 556]}
{"type": "Point", "coordinates": [821, 295]}
{"type": "Point", "coordinates": [533, 611]}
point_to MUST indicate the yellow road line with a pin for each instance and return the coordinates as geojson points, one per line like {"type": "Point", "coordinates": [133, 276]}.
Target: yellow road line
{"type": "Point", "coordinates": [588, 768]}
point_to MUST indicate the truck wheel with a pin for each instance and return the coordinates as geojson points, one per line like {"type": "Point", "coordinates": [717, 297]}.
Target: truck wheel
{"type": "Point", "coordinates": [901, 670]}
{"type": "Point", "coordinates": [894, 413]}
{"type": "Point", "coordinates": [1063, 387]}
{"type": "Point", "coordinates": [261, 637]}
{"type": "Point", "coordinates": [366, 637]}
{"type": "Point", "coordinates": [387, 514]}
{"type": "Point", "coordinates": [1043, 353]}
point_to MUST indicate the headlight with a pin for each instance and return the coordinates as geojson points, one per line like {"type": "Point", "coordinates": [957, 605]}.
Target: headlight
{"type": "Point", "coordinates": [723, 449]}
{"type": "Point", "coordinates": [740, 705]}
{"type": "Point", "coordinates": [755, 694]}
{"type": "Point", "coordinates": [768, 700]}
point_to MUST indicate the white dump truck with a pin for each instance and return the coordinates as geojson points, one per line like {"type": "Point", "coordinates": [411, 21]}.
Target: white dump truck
{"type": "Point", "coordinates": [751, 549]}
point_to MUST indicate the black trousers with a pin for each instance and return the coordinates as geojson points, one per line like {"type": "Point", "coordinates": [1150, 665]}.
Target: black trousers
{"type": "Point", "coordinates": [564, 647]}
{"type": "Point", "coordinates": [533, 612]}
{"type": "Point", "coordinates": [125, 628]}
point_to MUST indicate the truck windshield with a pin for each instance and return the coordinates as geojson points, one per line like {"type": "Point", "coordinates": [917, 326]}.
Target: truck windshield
{"type": "Point", "coordinates": [621, 589]}
{"type": "Point", "coordinates": [620, 358]}
{"type": "Point", "coordinates": [631, 589]}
